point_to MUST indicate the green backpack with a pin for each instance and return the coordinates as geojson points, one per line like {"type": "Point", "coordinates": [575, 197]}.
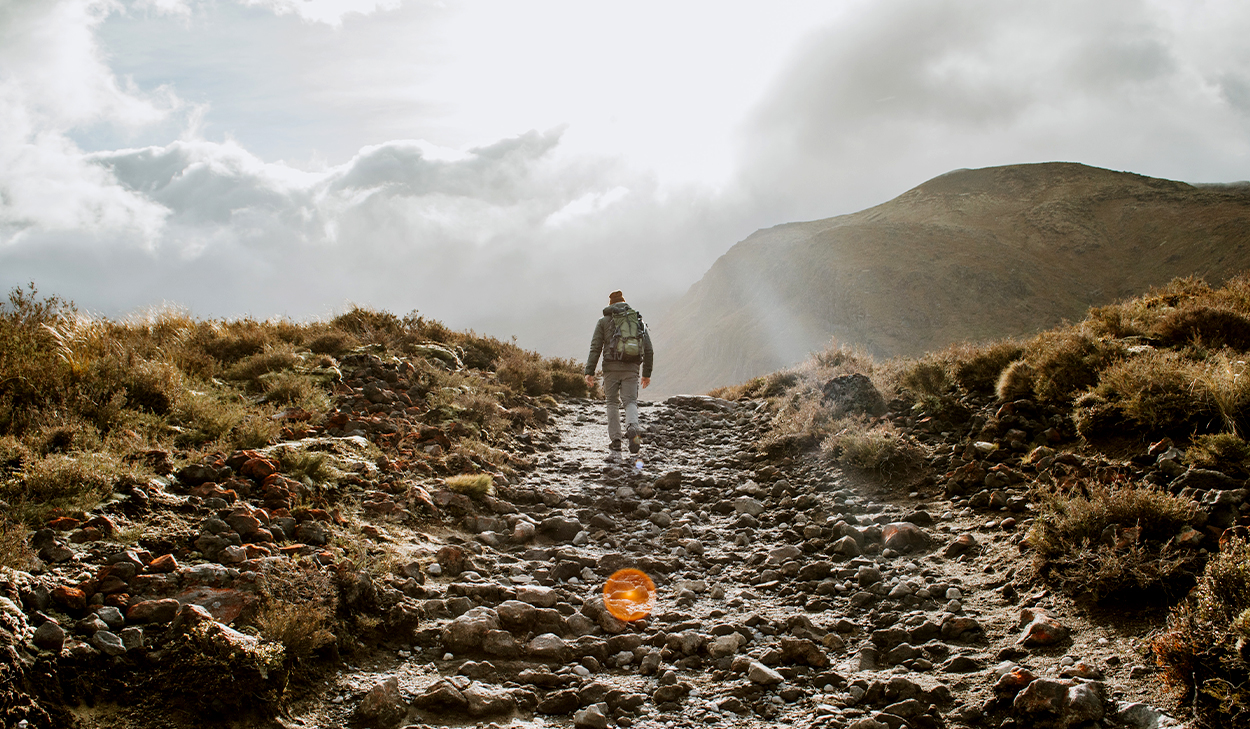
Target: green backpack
{"type": "Point", "coordinates": [627, 332]}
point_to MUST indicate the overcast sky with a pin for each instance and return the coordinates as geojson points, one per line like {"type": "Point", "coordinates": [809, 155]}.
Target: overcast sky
{"type": "Point", "coordinates": [503, 165]}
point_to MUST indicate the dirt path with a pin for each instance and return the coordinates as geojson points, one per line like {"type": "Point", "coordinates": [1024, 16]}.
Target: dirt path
{"type": "Point", "coordinates": [768, 615]}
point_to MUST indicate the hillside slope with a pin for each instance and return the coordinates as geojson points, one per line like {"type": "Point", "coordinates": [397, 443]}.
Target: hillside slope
{"type": "Point", "coordinates": [970, 255]}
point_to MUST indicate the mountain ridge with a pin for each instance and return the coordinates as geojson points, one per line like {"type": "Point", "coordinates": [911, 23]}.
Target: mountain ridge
{"type": "Point", "coordinates": [968, 255]}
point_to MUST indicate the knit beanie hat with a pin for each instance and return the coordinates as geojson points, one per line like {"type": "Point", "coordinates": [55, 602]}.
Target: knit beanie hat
{"type": "Point", "coordinates": [616, 297]}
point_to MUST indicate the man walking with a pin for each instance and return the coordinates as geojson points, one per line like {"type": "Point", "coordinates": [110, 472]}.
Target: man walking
{"type": "Point", "coordinates": [623, 339]}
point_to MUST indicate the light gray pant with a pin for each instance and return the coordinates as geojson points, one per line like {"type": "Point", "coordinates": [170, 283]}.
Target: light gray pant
{"type": "Point", "coordinates": [620, 386]}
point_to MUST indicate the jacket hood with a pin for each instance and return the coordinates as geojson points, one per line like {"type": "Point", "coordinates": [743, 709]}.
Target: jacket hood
{"type": "Point", "coordinates": [618, 308]}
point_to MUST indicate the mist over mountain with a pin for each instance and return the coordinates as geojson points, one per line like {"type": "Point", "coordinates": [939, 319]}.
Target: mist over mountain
{"type": "Point", "coordinates": [969, 255]}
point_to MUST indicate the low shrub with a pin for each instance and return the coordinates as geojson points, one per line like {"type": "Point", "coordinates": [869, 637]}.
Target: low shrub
{"type": "Point", "coordinates": [297, 610]}
{"type": "Point", "coordinates": [1113, 544]}
{"type": "Point", "coordinates": [567, 378]}
{"type": "Point", "coordinates": [977, 368]}
{"type": "Point", "coordinates": [292, 388]}
{"type": "Point", "coordinates": [1205, 649]}
{"type": "Point", "coordinates": [1016, 381]}
{"type": "Point", "coordinates": [1066, 362]}
{"type": "Point", "coordinates": [880, 447]}
{"type": "Point", "coordinates": [1208, 326]}
{"type": "Point", "coordinates": [525, 374]}
{"type": "Point", "coordinates": [926, 377]}
{"type": "Point", "coordinates": [1220, 451]}
{"type": "Point", "coordinates": [333, 343]}
{"type": "Point", "coordinates": [15, 551]}
{"type": "Point", "coordinates": [254, 366]}
{"type": "Point", "coordinates": [1159, 391]}
{"type": "Point", "coordinates": [64, 483]}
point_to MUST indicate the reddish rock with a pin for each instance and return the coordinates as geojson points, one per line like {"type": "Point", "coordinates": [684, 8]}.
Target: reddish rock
{"type": "Point", "coordinates": [1044, 695]}
{"type": "Point", "coordinates": [243, 522]}
{"type": "Point", "coordinates": [453, 560]}
{"type": "Point", "coordinates": [102, 523]}
{"type": "Point", "coordinates": [64, 524]}
{"type": "Point", "coordinates": [963, 543]}
{"type": "Point", "coordinates": [259, 469]}
{"type": "Point", "coordinates": [1043, 630]}
{"type": "Point", "coordinates": [189, 616]}
{"type": "Point", "coordinates": [1014, 681]}
{"type": "Point", "coordinates": [71, 598]}
{"type": "Point", "coordinates": [224, 605]}
{"type": "Point", "coordinates": [119, 600]}
{"type": "Point", "coordinates": [383, 706]}
{"type": "Point", "coordinates": [903, 536]}
{"type": "Point", "coordinates": [153, 611]}
{"type": "Point", "coordinates": [163, 564]}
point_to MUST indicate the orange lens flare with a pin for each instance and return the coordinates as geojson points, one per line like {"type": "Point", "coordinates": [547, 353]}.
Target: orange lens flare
{"type": "Point", "coordinates": [629, 595]}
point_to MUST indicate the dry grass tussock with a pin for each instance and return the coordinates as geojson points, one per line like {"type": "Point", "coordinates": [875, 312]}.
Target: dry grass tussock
{"type": "Point", "coordinates": [1205, 650]}
{"type": "Point", "coordinates": [1114, 543]}
{"type": "Point", "coordinates": [475, 485]}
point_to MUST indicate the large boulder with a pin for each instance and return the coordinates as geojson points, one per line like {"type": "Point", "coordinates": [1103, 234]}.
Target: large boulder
{"type": "Point", "coordinates": [853, 395]}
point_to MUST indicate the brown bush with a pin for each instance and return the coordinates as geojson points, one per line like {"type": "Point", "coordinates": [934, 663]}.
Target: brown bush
{"type": "Point", "coordinates": [1160, 392]}
{"type": "Point", "coordinates": [1066, 362]}
{"type": "Point", "coordinates": [1205, 648]}
{"type": "Point", "coordinates": [1085, 543]}
{"type": "Point", "coordinates": [15, 551]}
{"type": "Point", "coordinates": [977, 368]}
{"type": "Point", "coordinates": [1221, 451]}
{"type": "Point", "coordinates": [1208, 326]}
{"type": "Point", "coordinates": [333, 343]}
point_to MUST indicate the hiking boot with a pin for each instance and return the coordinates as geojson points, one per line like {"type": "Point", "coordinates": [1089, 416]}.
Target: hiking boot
{"type": "Point", "coordinates": [634, 436]}
{"type": "Point", "coordinates": [614, 451]}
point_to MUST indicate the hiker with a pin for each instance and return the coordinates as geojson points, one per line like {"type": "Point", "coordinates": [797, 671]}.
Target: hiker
{"type": "Point", "coordinates": [623, 339]}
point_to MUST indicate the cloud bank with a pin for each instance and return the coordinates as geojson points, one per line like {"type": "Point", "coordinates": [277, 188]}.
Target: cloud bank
{"type": "Point", "coordinates": [524, 234]}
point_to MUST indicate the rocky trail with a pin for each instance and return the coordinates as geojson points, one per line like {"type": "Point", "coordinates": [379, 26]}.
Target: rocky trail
{"type": "Point", "coordinates": [790, 593]}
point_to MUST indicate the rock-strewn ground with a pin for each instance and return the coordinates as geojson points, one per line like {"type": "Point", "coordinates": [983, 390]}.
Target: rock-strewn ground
{"type": "Point", "coordinates": [790, 593]}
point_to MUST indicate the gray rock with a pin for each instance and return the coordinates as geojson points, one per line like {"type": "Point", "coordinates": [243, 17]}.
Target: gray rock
{"type": "Point", "coordinates": [548, 646]}
{"type": "Point", "coordinates": [594, 716]}
{"type": "Point", "coordinates": [132, 637]}
{"type": "Point", "coordinates": [847, 546]}
{"type": "Point", "coordinates": [467, 632]}
{"type": "Point", "coordinates": [49, 637]}
{"type": "Point", "coordinates": [1205, 478]}
{"type": "Point", "coordinates": [108, 643]}
{"type": "Point", "coordinates": [748, 505]}
{"type": "Point", "coordinates": [1144, 716]}
{"type": "Point", "coordinates": [112, 617]}
{"type": "Point", "coordinates": [763, 675]}
{"type": "Point", "coordinates": [383, 706]}
{"type": "Point", "coordinates": [560, 528]}
{"type": "Point", "coordinates": [486, 700]}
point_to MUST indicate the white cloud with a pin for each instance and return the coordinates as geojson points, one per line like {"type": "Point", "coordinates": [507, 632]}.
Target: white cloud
{"type": "Point", "coordinates": [904, 90]}
{"type": "Point", "coordinates": [51, 80]}
{"type": "Point", "coordinates": [330, 12]}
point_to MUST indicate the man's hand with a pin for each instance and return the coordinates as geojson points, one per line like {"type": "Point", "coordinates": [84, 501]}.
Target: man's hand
{"type": "Point", "coordinates": [646, 381]}
{"type": "Point", "coordinates": [590, 381]}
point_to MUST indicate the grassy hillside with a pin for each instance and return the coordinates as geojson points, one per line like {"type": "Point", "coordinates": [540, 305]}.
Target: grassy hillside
{"type": "Point", "coordinates": [973, 255]}
{"type": "Point", "coordinates": [90, 407]}
{"type": "Point", "coordinates": [1123, 435]}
